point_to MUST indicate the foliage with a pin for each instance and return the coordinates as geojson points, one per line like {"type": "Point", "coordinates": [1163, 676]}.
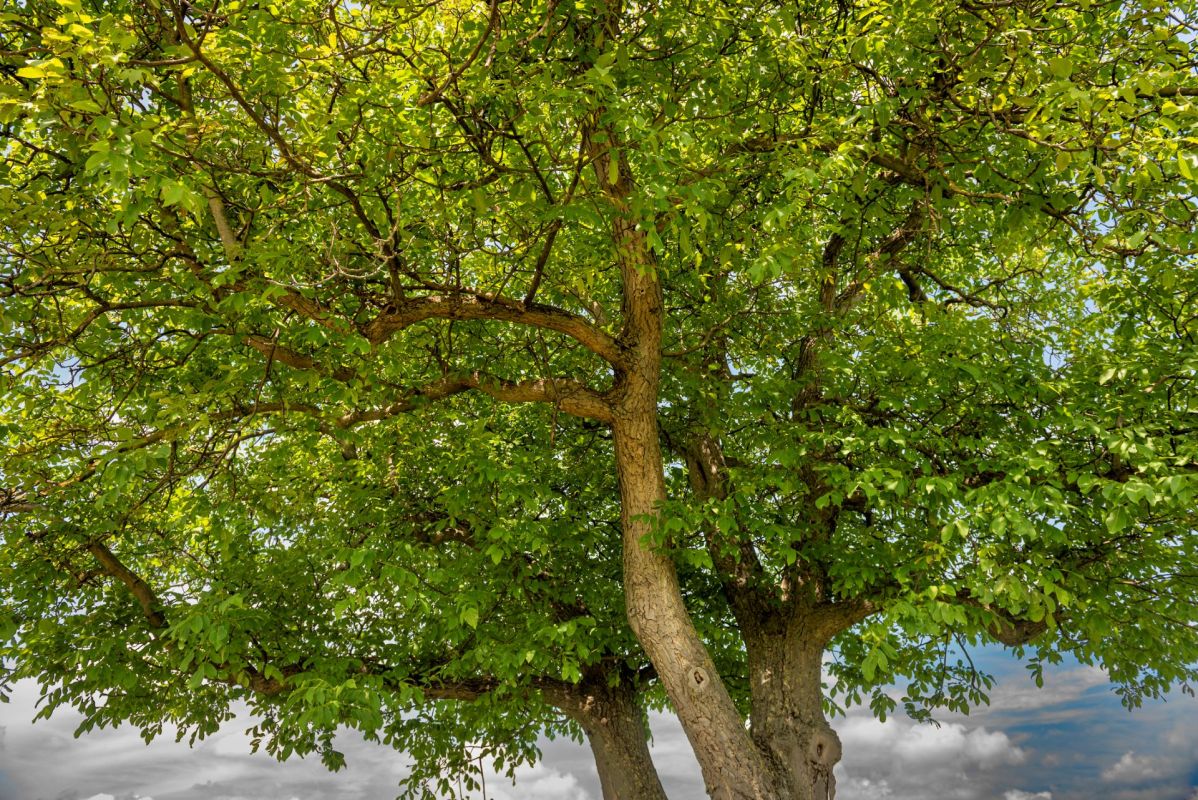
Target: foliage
{"type": "Point", "coordinates": [319, 316]}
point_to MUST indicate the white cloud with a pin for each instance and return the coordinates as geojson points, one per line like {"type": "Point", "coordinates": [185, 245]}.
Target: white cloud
{"type": "Point", "coordinates": [537, 782]}
{"type": "Point", "coordinates": [1133, 768]}
{"type": "Point", "coordinates": [952, 743]}
{"type": "Point", "coordinates": [928, 746]}
{"type": "Point", "coordinates": [853, 788]}
{"type": "Point", "coordinates": [673, 758]}
{"type": "Point", "coordinates": [903, 760]}
{"type": "Point", "coordinates": [1182, 738]}
{"type": "Point", "coordinates": [967, 758]}
{"type": "Point", "coordinates": [1060, 686]}
{"type": "Point", "coordinates": [43, 761]}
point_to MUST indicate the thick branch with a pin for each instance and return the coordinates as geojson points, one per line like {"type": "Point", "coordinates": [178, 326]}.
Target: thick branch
{"type": "Point", "coordinates": [1006, 628]}
{"type": "Point", "coordinates": [736, 561]}
{"type": "Point", "coordinates": [478, 306]}
{"type": "Point", "coordinates": [570, 396]}
{"type": "Point", "coordinates": [150, 605]}
{"type": "Point", "coordinates": [883, 255]}
{"type": "Point", "coordinates": [276, 352]}
{"type": "Point", "coordinates": [154, 612]}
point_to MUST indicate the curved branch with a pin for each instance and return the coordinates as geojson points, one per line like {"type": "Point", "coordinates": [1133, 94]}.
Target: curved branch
{"type": "Point", "coordinates": [478, 306]}
{"type": "Point", "coordinates": [740, 570]}
{"type": "Point", "coordinates": [568, 395]}
{"type": "Point", "coordinates": [285, 355]}
{"type": "Point", "coordinates": [435, 93]}
{"type": "Point", "coordinates": [285, 150]}
{"type": "Point", "coordinates": [151, 607]}
{"type": "Point", "coordinates": [1005, 628]}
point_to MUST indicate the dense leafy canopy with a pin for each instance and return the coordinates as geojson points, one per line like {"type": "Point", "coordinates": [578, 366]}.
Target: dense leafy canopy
{"type": "Point", "coordinates": [316, 319]}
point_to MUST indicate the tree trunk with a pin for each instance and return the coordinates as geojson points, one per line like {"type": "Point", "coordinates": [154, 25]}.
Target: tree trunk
{"type": "Point", "coordinates": [791, 750]}
{"type": "Point", "coordinates": [615, 727]}
{"type": "Point", "coordinates": [733, 768]}
{"type": "Point", "coordinates": [785, 640]}
{"type": "Point", "coordinates": [787, 715]}
{"type": "Point", "coordinates": [731, 765]}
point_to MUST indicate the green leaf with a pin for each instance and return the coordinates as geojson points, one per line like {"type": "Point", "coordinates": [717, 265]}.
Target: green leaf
{"type": "Point", "coordinates": [469, 616]}
{"type": "Point", "coordinates": [1117, 519]}
{"type": "Point", "coordinates": [1060, 67]}
{"type": "Point", "coordinates": [173, 193]}
{"type": "Point", "coordinates": [1187, 165]}
{"type": "Point", "coordinates": [96, 162]}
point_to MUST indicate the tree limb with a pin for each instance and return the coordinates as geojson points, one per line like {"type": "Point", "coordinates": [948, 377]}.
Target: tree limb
{"type": "Point", "coordinates": [478, 306]}
{"type": "Point", "coordinates": [151, 606]}
{"type": "Point", "coordinates": [570, 396]}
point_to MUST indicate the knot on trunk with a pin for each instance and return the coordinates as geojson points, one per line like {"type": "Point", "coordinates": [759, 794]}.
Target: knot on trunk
{"type": "Point", "coordinates": [823, 753]}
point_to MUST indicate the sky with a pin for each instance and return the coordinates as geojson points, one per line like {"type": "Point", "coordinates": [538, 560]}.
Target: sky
{"type": "Point", "coordinates": [1070, 740]}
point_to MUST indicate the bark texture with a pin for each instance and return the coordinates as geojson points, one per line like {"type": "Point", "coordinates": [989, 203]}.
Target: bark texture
{"type": "Point", "coordinates": [788, 722]}
{"type": "Point", "coordinates": [784, 636]}
{"type": "Point", "coordinates": [732, 766]}
{"type": "Point", "coordinates": [615, 727]}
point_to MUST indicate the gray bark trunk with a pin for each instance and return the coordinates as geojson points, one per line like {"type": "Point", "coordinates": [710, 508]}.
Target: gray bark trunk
{"type": "Point", "coordinates": [616, 730]}
{"type": "Point", "coordinates": [785, 642]}
{"type": "Point", "coordinates": [787, 715]}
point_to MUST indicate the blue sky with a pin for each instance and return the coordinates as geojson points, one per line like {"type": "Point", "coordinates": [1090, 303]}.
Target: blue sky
{"type": "Point", "coordinates": [1068, 741]}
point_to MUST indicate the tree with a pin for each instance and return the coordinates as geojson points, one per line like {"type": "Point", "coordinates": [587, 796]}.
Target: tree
{"type": "Point", "coordinates": [366, 592]}
{"type": "Point", "coordinates": [880, 316]}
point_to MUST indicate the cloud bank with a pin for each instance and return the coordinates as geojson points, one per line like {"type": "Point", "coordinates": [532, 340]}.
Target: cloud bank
{"type": "Point", "coordinates": [1068, 741]}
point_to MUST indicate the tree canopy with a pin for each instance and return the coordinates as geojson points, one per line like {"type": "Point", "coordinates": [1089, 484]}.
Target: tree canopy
{"type": "Point", "coordinates": [460, 371]}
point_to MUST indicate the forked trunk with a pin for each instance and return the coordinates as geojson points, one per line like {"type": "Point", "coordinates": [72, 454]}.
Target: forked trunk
{"type": "Point", "coordinates": [791, 750]}
{"type": "Point", "coordinates": [733, 766]}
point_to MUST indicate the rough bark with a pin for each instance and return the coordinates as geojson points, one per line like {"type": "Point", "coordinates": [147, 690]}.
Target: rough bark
{"type": "Point", "coordinates": [787, 716]}
{"type": "Point", "coordinates": [790, 750]}
{"type": "Point", "coordinates": [732, 766]}
{"type": "Point", "coordinates": [615, 728]}
{"type": "Point", "coordinates": [784, 639]}
{"type": "Point", "coordinates": [736, 765]}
